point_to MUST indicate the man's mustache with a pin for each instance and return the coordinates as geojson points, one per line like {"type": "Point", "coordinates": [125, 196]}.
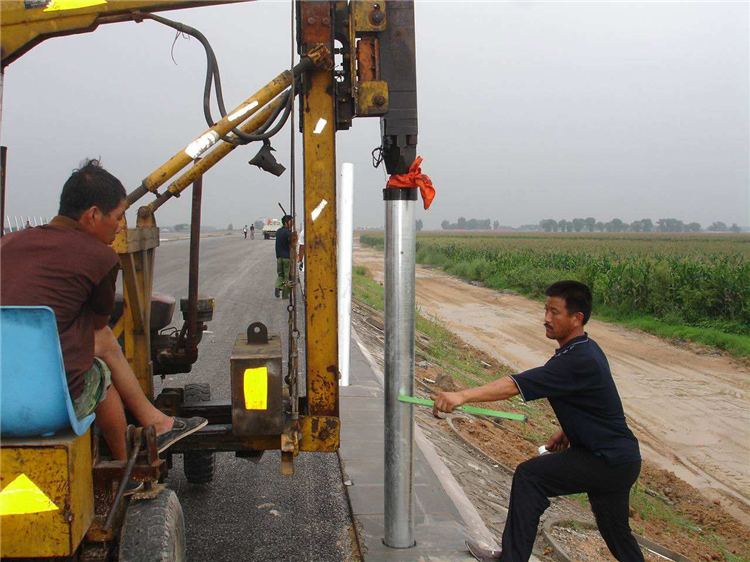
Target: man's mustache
{"type": "Point", "coordinates": [549, 327]}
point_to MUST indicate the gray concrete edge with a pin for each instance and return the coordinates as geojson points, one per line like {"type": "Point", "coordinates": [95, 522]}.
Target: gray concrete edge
{"type": "Point", "coordinates": [466, 509]}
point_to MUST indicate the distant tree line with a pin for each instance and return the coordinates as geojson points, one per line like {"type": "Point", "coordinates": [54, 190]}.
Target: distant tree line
{"type": "Point", "coordinates": [590, 224]}
{"type": "Point", "coordinates": [470, 224]}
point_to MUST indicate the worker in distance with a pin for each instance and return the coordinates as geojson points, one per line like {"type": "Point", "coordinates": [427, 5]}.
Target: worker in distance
{"type": "Point", "coordinates": [69, 266]}
{"type": "Point", "coordinates": [594, 452]}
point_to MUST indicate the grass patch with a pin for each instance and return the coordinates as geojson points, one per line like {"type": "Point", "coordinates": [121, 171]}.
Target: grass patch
{"type": "Point", "coordinates": [672, 320]}
{"type": "Point", "coordinates": [735, 344]}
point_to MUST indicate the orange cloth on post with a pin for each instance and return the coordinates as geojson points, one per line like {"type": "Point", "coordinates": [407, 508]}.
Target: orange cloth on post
{"type": "Point", "coordinates": [415, 178]}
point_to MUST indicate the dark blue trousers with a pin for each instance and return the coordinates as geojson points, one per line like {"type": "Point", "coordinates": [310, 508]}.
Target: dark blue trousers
{"type": "Point", "coordinates": [571, 471]}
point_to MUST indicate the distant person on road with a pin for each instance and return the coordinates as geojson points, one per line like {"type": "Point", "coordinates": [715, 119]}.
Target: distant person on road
{"type": "Point", "coordinates": [69, 266]}
{"type": "Point", "coordinates": [594, 452]}
{"type": "Point", "coordinates": [283, 248]}
{"type": "Point", "coordinates": [252, 232]}
{"type": "Point", "coordinates": [27, 225]}
{"type": "Point", "coordinates": [244, 231]}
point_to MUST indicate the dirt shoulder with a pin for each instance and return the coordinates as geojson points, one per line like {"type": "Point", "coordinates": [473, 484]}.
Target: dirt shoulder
{"type": "Point", "coordinates": [689, 409]}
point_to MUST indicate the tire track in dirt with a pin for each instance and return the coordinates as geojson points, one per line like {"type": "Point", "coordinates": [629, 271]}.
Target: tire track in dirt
{"type": "Point", "coordinates": [689, 408]}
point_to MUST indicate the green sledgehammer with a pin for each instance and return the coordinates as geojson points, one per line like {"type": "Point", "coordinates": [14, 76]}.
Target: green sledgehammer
{"type": "Point", "coordinates": [467, 409]}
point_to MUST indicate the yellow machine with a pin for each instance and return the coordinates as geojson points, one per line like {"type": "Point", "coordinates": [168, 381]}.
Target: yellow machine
{"type": "Point", "coordinates": [267, 411]}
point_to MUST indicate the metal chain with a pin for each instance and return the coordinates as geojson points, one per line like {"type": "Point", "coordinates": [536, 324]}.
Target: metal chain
{"type": "Point", "coordinates": [293, 360]}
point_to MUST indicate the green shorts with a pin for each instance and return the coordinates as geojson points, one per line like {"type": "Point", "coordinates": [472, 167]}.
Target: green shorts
{"type": "Point", "coordinates": [97, 381]}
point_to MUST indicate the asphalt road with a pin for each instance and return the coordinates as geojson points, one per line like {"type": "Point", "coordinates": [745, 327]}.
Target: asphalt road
{"type": "Point", "coordinates": [311, 520]}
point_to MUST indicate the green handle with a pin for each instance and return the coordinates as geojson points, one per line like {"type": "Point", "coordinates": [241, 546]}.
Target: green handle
{"type": "Point", "coordinates": [468, 409]}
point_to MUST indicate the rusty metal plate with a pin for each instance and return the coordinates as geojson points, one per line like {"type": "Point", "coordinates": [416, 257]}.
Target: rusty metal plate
{"type": "Point", "coordinates": [372, 98]}
{"type": "Point", "coordinates": [368, 16]}
{"type": "Point", "coordinates": [47, 498]}
{"type": "Point", "coordinates": [319, 434]}
{"type": "Point", "coordinates": [368, 59]}
{"type": "Point", "coordinates": [315, 19]}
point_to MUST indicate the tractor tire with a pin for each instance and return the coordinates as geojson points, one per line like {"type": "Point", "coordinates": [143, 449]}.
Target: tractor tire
{"type": "Point", "coordinates": [198, 465]}
{"type": "Point", "coordinates": [153, 530]}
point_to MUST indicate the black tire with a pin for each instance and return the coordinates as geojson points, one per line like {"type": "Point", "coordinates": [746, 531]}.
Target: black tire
{"type": "Point", "coordinates": [153, 530]}
{"type": "Point", "coordinates": [198, 465]}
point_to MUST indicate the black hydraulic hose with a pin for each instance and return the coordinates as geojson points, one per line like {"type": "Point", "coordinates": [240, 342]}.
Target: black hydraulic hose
{"type": "Point", "coordinates": [212, 72]}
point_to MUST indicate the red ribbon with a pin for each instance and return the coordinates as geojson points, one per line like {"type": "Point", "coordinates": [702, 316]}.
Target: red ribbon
{"type": "Point", "coordinates": [415, 178]}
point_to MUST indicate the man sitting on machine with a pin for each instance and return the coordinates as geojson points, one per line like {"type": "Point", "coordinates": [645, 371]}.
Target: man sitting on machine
{"type": "Point", "coordinates": [69, 266]}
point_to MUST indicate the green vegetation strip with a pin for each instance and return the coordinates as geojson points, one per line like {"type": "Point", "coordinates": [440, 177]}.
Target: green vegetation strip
{"type": "Point", "coordinates": [681, 287]}
{"type": "Point", "coordinates": [467, 409]}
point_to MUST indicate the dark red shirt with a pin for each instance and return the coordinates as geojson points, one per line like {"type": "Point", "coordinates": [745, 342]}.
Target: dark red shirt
{"type": "Point", "coordinates": [61, 266]}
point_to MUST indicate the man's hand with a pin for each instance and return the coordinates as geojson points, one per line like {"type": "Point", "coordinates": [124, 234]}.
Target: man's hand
{"type": "Point", "coordinates": [558, 442]}
{"type": "Point", "coordinates": [447, 402]}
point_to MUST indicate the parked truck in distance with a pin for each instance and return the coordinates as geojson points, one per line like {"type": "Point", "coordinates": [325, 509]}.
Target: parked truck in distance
{"type": "Point", "coordinates": [270, 228]}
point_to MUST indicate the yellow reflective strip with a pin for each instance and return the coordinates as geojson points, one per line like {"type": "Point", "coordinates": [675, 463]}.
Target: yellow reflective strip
{"type": "Point", "coordinates": [59, 5]}
{"type": "Point", "coordinates": [22, 497]}
{"type": "Point", "coordinates": [256, 388]}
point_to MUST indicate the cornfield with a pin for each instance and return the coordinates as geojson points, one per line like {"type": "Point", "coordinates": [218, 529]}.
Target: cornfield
{"type": "Point", "coordinates": [698, 280]}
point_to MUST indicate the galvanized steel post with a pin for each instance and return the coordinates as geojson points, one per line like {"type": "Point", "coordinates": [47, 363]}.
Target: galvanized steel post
{"type": "Point", "coordinates": [400, 249]}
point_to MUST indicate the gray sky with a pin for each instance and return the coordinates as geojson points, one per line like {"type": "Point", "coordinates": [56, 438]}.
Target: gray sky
{"type": "Point", "coordinates": [527, 110]}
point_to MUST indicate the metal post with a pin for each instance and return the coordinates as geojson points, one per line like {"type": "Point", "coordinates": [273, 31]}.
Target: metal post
{"type": "Point", "coordinates": [345, 246]}
{"type": "Point", "coordinates": [195, 242]}
{"type": "Point", "coordinates": [400, 249]}
{"type": "Point", "coordinates": [3, 162]}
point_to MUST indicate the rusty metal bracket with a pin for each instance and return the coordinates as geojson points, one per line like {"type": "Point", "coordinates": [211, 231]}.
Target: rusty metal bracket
{"type": "Point", "coordinates": [368, 16]}
{"type": "Point", "coordinates": [372, 98]}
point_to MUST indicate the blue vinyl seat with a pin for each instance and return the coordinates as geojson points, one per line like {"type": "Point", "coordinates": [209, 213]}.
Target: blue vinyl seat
{"type": "Point", "coordinates": [34, 396]}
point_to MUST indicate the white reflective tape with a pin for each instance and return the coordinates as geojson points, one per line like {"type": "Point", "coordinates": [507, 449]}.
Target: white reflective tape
{"type": "Point", "coordinates": [319, 209]}
{"type": "Point", "coordinates": [243, 110]}
{"type": "Point", "coordinates": [201, 144]}
{"type": "Point", "coordinates": [320, 126]}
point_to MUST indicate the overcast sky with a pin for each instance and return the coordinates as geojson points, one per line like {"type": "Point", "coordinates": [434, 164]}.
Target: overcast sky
{"type": "Point", "coordinates": [527, 110]}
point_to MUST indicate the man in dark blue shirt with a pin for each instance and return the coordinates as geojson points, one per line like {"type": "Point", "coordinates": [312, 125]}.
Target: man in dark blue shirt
{"type": "Point", "coordinates": [594, 451]}
{"type": "Point", "coordinates": [283, 247]}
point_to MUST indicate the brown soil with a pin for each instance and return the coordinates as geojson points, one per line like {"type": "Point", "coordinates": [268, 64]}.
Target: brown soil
{"type": "Point", "coordinates": [509, 445]}
{"type": "Point", "coordinates": [689, 409]}
{"type": "Point", "coordinates": [509, 449]}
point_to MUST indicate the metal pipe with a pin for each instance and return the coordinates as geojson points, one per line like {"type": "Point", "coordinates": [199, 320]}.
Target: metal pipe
{"type": "Point", "coordinates": [195, 242]}
{"type": "Point", "coordinates": [212, 158]}
{"type": "Point", "coordinates": [16, 219]}
{"type": "Point", "coordinates": [400, 250]}
{"type": "Point", "coordinates": [345, 208]}
{"type": "Point", "coordinates": [123, 484]}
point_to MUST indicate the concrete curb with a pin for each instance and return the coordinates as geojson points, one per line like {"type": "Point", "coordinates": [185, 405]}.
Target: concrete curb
{"type": "Point", "coordinates": [562, 555]}
{"type": "Point", "coordinates": [466, 509]}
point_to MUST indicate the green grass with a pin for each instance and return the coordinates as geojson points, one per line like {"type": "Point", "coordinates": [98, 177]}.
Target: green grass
{"type": "Point", "coordinates": [666, 286]}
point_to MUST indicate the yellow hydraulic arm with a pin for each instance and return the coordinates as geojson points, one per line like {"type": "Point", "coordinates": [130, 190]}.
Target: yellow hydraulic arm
{"type": "Point", "coordinates": [26, 23]}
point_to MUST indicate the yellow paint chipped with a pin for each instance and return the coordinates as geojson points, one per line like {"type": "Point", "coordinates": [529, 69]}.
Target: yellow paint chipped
{"type": "Point", "coordinates": [22, 497]}
{"type": "Point", "coordinates": [256, 388]}
{"type": "Point", "coordinates": [60, 5]}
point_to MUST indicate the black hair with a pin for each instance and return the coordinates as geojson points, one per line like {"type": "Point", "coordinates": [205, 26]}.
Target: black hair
{"type": "Point", "coordinates": [286, 218]}
{"type": "Point", "coordinates": [577, 297]}
{"type": "Point", "coordinates": [90, 186]}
